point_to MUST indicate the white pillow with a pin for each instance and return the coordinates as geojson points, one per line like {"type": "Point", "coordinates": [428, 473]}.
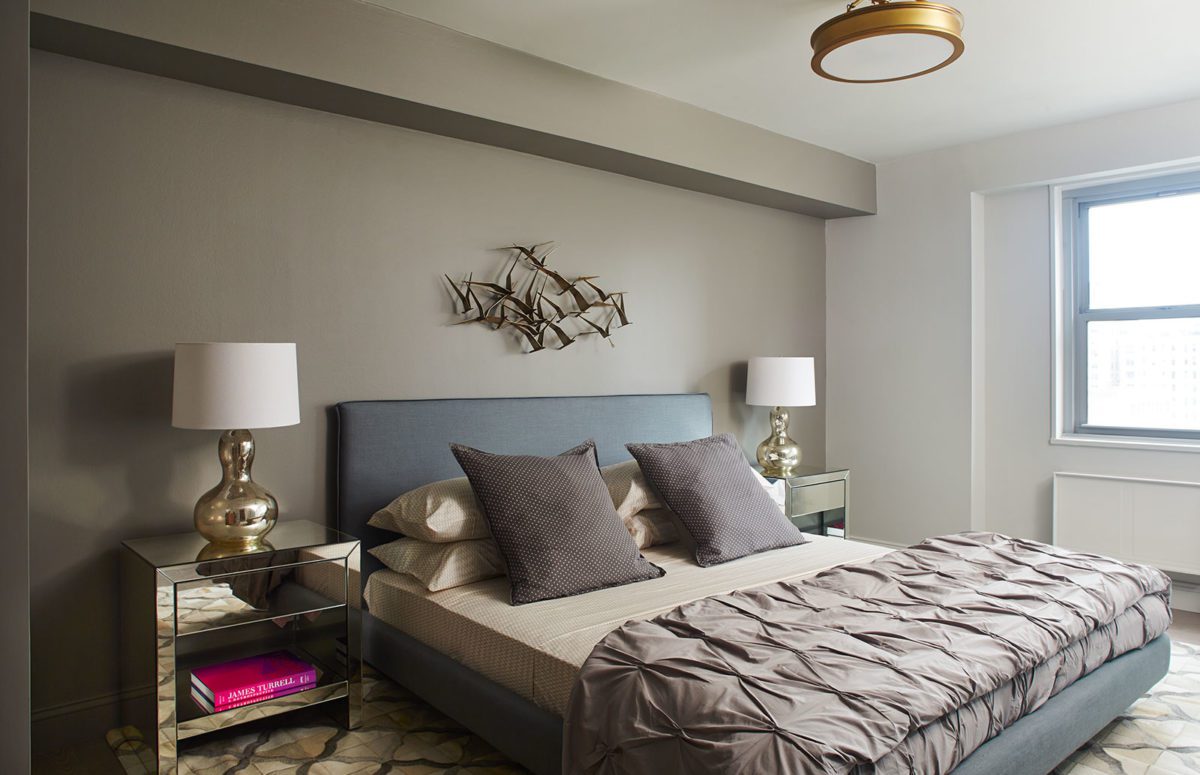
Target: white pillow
{"type": "Point", "coordinates": [630, 492]}
{"type": "Point", "coordinates": [652, 527]}
{"type": "Point", "coordinates": [442, 566]}
{"type": "Point", "coordinates": [439, 512]}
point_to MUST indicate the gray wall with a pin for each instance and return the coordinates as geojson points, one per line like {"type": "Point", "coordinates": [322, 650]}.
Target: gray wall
{"type": "Point", "coordinates": [14, 459]}
{"type": "Point", "coordinates": [898, 330]}
{"type": "Point", "coordinates": [163, 211]}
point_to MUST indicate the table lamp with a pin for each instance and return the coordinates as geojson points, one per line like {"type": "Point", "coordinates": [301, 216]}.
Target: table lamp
{"type": "Point", "coordinates": [234, 386]}
{"type": "Point", "coordinates": [780, 383]}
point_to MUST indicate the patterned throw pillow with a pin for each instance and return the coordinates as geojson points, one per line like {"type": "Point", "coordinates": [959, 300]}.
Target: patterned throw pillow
{"type": "Point", "coordinates": [631, 493]}
{"type": "Point", "coordinates": [442, 566]}
{"type": "Point", "coordinates": [652, 527]}
{"type": "Point", "coordinates": [439, 512]}
{"type": "Point", "coordinates": [554, 523]}
{"type": "Point", "coordinates": [712, 489]}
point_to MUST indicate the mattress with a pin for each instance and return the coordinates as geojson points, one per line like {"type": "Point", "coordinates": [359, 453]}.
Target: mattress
{"type": "Point", "coordinates": [536, 650]}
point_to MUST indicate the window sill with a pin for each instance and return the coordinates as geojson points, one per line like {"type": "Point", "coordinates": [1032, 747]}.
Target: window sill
{"type": "Point", "coordinates": [1126, 442]}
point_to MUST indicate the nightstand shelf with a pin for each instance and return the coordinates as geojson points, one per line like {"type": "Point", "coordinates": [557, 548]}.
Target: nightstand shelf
{"type": "Point", "coordinates": [211, 722]}
{"type": "Point", "coordinates": [192, 720]}
{"type": "Point", "coordinates": [184, 609]}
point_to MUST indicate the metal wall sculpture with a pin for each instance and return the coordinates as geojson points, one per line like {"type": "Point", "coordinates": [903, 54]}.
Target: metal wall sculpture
{"type": "Point", "coordinates": [539, 305]}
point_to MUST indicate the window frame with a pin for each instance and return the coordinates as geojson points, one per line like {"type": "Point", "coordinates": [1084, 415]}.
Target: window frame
{"type": "Point", "coordinates": [1073, 311]}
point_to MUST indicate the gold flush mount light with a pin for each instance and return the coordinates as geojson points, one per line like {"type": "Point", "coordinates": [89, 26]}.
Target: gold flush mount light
{"type": "Point", "coordinates": [887, 41]}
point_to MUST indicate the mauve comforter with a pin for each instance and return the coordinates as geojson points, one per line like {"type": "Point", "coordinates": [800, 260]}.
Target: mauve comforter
{"type": "Point", "coordinates": [905, 664]}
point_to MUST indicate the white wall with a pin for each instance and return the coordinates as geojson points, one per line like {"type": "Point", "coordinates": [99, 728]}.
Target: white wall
{"type": "Point", "coordinates": [938, 383]}
{"type": "Point", "coordinates": [1019, 460]}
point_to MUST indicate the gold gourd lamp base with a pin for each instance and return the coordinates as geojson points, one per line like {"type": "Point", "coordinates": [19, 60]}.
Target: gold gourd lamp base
{"type": "Point", "coordinates": [238, 512]}
{"type": "Point", "coordinates": [779, 455]}
{"type": "Point", "coordinates": [226, 551]}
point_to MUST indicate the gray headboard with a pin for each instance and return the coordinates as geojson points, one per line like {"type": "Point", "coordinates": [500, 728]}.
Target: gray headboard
{"type": "Point", "coordinates": [385, 448]}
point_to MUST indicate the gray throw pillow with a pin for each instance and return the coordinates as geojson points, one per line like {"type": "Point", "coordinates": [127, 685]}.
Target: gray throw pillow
{"type": "Point", "coordinates": [554, 523]}
{"type": "Point", "coordinates": [712, 489]}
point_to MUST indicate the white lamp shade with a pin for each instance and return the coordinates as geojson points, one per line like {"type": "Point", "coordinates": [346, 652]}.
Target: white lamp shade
{"type": "Point", "coordinates": [235, 385]}
{"type": "Point", "coordinates": [781, 382]}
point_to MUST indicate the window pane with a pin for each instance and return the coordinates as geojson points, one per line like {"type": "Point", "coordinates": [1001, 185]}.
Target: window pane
{"type": "Point", "coordinates": [1144, 374]}
{"type": "Point", "coordinates": [1145, 253]}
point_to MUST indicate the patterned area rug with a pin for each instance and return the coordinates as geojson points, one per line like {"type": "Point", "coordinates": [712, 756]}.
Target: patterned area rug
{"type": "Point", "coordinates": [399, 734]}
{"type": "Point", "coordinates": [1160, 735]}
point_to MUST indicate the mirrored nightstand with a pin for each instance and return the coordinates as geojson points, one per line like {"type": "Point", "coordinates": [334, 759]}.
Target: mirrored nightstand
{"type": "Point", "coordinates": [186, 605]}
{"type": "Point", "coordinates": [818, 500]}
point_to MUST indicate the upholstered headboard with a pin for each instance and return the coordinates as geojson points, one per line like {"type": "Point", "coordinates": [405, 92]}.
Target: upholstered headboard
{"type": "Point", "coordinates": [385, 448]}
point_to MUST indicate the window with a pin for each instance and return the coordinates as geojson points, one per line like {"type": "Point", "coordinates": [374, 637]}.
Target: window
{"type": "Point", "coordinates": [1130, 322]}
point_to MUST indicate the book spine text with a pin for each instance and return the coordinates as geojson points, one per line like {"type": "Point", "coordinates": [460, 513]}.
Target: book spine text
{"type": "Point", "coordinates": [264, 688]}
{"type": "Point", "coordinates": [223, 706]}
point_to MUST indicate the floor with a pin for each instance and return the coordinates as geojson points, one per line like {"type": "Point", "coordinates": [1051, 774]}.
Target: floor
{"type": "Point", "coordinates": [399, 734]}
{"type": "Point", "coordinates": [433, 744]}
{"type": "Point", "coordinates": [94, 757]}
{"type": "Point", "coordinates": [1159, 735]}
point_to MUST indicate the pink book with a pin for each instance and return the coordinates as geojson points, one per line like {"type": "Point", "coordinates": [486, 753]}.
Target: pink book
{"type": "Point", "coordinates": [252, 678]}
{"type": "Point", "coordinates": [208, 707]}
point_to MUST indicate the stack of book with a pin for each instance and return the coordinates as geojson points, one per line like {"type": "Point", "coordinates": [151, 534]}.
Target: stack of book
{"type": "Point", "coordinates": [246, 681]}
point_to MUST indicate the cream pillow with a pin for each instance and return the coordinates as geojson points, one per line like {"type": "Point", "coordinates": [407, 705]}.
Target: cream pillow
{"type": "Point", "coordinates": [630, 491]}
{"type": "Point", "coordinates": [652, 527]}
{"type": "Point", "coordinates": [439, 512]}
{"type": "Point", "coordinates": [442, 566]}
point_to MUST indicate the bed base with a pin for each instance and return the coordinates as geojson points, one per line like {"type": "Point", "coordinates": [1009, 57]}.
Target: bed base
{"type": "Point", "coordinates": [532, 736]}
{"type": "Point", "coordinates": [382, 448]}
{"type": "Point", "coordinates": [525, 733]}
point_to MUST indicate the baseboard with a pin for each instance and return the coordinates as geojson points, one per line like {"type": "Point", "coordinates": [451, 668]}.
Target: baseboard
{"type": "Point", "coordinates": [876, 541]}
{"type": "Point", "coordinates": [1185, 596]}
{"type": "Point", "coordinates": [80, 721]}
{"type": "Point", "coordinates": [111, 699]}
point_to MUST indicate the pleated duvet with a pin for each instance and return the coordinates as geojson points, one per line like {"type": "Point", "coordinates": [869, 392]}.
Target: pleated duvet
{"type": "Point", "coordinates": [903, 664]}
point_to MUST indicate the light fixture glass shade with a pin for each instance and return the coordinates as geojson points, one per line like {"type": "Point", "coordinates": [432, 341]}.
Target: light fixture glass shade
{"type": "Point", "coordinates": [781, 382]}
{"type": "Point", "coordinates": [235, 385]}
{"type": "Point", "coordinates": [888, 41]}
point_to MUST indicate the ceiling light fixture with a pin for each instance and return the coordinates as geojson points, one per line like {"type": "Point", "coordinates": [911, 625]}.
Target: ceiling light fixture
{"type": "Point", "coordinates": [887, 41]}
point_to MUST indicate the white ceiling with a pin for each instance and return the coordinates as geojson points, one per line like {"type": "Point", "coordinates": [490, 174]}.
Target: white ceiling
{"type": "Point", "coordinates": [1029, 63]}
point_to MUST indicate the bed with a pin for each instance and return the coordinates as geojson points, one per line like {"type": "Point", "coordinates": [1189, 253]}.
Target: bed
{"type": "Point", "coordinates": [383, 448]}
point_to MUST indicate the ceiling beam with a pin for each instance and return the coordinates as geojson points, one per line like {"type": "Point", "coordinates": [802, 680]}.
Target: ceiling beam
{"type": "Point", "coordinates": [360, 60]}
